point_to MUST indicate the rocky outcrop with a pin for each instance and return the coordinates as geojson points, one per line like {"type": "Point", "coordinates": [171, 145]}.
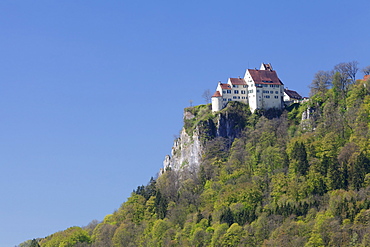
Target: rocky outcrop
{"type": "Point", "coordinates": [306, 114]}
{"type": "Point", "coordinates": [309, 118]}
{"type": "Point", "coordinates": [186, 153]}
{"type": "Point", "coordinates": [200, 127]}
{"type": "Point", "coordinates": [229, 125]}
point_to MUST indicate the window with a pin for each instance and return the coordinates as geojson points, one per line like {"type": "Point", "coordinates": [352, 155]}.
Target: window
{"type": "Point", "coordinates": [267, 96]}
{"type": "Point", "coordinates": [223, 91]}
{"type": "Point", "coordinates": [276, 92]}
{"type": "Point", "coordinates": [236, 86]}
{"type": "Point", "coordinates": [258, 91]}
{"type": "Point", "coordinates": [228, 91]}
{"type": "Point", "coordinates": [242, 92]}
{"type": "Point", "coordinates": [271, 92]}
{"type": "Point", "coordinates": [236, 91]}
{"type": "Point", "coordinates": [228, 99]}
{"type": "Point", "coordinates": [224, 99]}
{"type": "Point", "coordinates": [264, 91]}
{"type": "Point", "coordinates": [234, 97]}
{"type": "Point", "coordinates": [250, 91]}
{"type": "Point", "coordinates": [245, 86]}
{"type": "Point", "coordinates": [238, 97]}
{"type": "Point", "coordinates": [276, 97]}
{"type": "Point", "coordinates": [265, 85]}
{"type": "Point", "coordinates": [243, 97]}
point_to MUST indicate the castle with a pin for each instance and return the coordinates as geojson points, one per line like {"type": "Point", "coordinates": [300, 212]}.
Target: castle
{"type": "Point", "coordinates": [260, 88]}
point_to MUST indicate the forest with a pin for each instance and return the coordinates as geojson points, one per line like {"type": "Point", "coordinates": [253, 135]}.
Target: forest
{"type": "Point", "coordinates": [293, 177]}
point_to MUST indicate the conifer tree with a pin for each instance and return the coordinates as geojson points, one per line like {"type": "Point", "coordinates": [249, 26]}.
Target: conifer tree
{"type": "Point", "coordinates": [34, 243]}
{"type": "Point", "coordinates": [300, 155]}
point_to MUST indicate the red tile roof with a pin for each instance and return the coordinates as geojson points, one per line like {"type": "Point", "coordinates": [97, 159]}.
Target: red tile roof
{"type": "Point", "coordinates": [366, 77]}
{"type": "Point", "coordinates": [216, 94]}
{"type": "Point", "coordinates": [225, 86]}
{"type": "Point", "coordinates": [237, 81]}
{"type": "Point", "coordinates": [264, 77]}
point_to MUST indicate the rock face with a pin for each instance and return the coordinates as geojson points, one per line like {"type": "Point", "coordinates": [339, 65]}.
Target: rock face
{"type": "Point", "coordinates": [229, 125]}
{"type": "Point", "coordinates": [188, 149]}
{"type": "Point", "coordinates": [306, 114]}
{"type": "Point", "coordinates": [186, 153]}
{"type": "Point", "coordinates": [309, 116]}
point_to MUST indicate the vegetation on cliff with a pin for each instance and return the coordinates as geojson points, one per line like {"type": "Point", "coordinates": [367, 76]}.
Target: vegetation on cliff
{"type": "Point", "coordinates": [281, 181]}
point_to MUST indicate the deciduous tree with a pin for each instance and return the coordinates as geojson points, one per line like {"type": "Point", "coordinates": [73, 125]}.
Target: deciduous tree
{"type": "Point", "coordinates": [348, 70]}
{"type": "Point", "coordinates": [347, 74]}
{"type": "Point", "coordinates": [207, 96]}
{"type": "Point", "coordinates": [321, 82]}
{"type": "Point", "coordinates": [366, 70]}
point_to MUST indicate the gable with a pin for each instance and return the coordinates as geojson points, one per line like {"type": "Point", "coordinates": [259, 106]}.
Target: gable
{"type": "Point", "coordinates": [264, 77]}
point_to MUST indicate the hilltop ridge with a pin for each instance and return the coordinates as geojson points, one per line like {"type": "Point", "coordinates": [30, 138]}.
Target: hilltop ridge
{"type": "Point", "coordinates": [295, 177]}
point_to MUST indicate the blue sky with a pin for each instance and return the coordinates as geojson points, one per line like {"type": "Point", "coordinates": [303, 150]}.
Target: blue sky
{"type": "Point", "coordinates": [92, 92]}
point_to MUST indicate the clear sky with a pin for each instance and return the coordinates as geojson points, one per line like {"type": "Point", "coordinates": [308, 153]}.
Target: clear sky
{"type": "Point", "coordinates": [92, 92]}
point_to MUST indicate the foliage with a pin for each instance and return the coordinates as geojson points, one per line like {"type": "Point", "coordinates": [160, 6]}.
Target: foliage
{"type": "Point", "coordinates": [281, 181]}
{"type": "Point", "coordinates": [195, 115]}
{"type": "Point", "coordinates": [73, 236]}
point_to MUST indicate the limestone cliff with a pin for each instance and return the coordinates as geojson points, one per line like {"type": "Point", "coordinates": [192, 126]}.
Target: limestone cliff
{"type": "Point", "coordinates": [201, 126]}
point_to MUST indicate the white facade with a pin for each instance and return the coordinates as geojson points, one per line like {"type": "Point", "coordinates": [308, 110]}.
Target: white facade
{"type": "Point", "coordinates": [217, 102]}
{"type": "Point", "coordinates": [291, 96]}
{"type": "Point", "coordinates": [261, 89]}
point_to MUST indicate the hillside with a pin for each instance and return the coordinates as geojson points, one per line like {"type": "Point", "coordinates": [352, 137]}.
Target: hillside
{"type": "Point", "coordinates": [297, 177]}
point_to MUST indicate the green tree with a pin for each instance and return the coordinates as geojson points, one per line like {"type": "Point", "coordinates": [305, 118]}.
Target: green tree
{"type": "Point", "coordinates": [360, 168]}
{"type": "Point", "coordinates": [299, 155]}
{"type": "Point", "coordinates": [158, 233]}
{"type": "Point", "coordinates": [333, 178]}
{"type": "Point", "coordinates": [103, 234]}
{"type": "Point", "coordinates": [200, 237]}
{"type": "Point", "coordinates": [232, 236]}
{"type": "Point", "coordinates": [227, 216]}
{"type": "Point", "coordinates": [160, 205]}
{"type": "Point", "coordinates": [125, 235]}
{"type": "Point", "coordinates": [220, 230]}
{"type": "Point", "coordinates": [67, 238]}
{"type": "Point", "coordinates": [34, 243]}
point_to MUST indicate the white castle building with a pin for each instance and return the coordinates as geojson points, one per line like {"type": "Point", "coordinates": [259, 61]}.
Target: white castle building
{"type": "Point", "coordinates": [260, 88]}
